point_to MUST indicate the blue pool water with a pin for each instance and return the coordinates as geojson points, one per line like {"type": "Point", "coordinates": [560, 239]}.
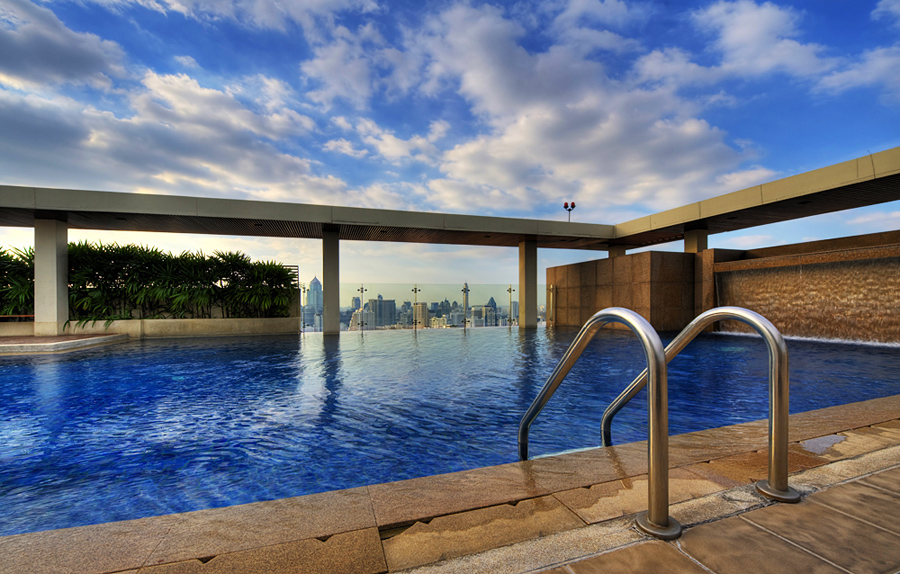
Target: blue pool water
{"type": "Point", "coordinates": [162, 426]}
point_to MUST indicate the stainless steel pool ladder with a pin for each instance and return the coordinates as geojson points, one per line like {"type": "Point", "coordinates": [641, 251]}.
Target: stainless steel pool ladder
{"type": "Point", "coordinates": [656, 520]}
{"type": "Point", "coordinates": [776, 487]}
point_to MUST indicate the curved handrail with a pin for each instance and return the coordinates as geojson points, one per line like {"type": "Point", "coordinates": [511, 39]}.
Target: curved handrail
{"type": "Point", "coordinates": [656, 520]}
{"type": "Point", "coordinates": [776, 486]}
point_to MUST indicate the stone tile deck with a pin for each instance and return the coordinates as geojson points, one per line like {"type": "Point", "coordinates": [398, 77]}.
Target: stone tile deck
{"type": "Point", "coordinates": [55, 344]}
{"type": "Point", "coordinates": [566, 514]}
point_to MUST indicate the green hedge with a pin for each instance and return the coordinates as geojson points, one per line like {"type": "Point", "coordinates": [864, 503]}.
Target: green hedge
{"type": "Point", "coordinates": [110, 282]}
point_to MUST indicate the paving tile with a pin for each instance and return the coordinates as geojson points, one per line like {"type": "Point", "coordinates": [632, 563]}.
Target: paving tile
{"type": "Point", "coordinates": [477, 530]}
{"type": "Point", "coordinates": [408, 501]}
{"type": "Point", "coordinates": [356, 552]}
{"type": "Point", "coordinates": [233, 528]}
{"type": "Point", "coordinates": [862, 501]}
{"type": "Point", "coordinates": [752, 466]}
{"type": "Point", "coordinates": [831, 420]}
{"type": "Point", "coordinates": [628, 496]}
{"type": "Point", "coordinates": [734, 546]}
{"type": "Point", "coordinates": [717, 505]}
{"type": "Point", "coordinates": [709, 444]}
{"type": "Point", "coordinates": [580, 469]}
{"type": "Point", "coordinates": [849, 443]}
{"type": "Point", "coordinates": [92, 549]}
{"type": "Point", "coordinates": [888, 480]}
{"type": "Point", "coordinates": [545, 552]}
{"type": "Point", "coordinates": [845, 541]}
{"type": "Point", "coordinates": [645, 557]}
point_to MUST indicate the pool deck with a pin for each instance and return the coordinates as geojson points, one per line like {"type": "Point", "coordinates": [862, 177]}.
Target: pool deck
{"type": "Point", "coordinates": [55, 344]}
{"type": "Point", "coordinates": [571, 513]}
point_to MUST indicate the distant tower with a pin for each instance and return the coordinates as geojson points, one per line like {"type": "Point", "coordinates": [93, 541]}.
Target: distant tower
{"type": "Point", "coordinates": [313, 307]}
{"type": "Point", "coordinates": [465, 305]}
{"type": "Point", "coordinates": [420, 314]}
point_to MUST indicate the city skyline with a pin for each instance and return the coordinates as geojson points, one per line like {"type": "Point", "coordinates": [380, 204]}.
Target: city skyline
{"type": "Point", "coordinates": [506, 108]}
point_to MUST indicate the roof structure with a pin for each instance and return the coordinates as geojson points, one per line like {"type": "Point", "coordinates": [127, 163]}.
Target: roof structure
{"type": "Point", "coordinates": [20, 206]}
{"type": "Point", "coordinates": [867, 180]}
{"type": "Point", "coordinates": [856, 183]}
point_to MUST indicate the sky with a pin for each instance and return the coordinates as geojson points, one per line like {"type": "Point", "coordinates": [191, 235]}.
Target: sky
{"type": "Point", "coordinates": [485, 108]}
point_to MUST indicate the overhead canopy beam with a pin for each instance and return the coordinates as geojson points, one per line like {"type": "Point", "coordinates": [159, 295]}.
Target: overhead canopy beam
{"type": "Point", "coordinates": [868, 180]}
{"type": "Point", "coordinates": [19, 206]}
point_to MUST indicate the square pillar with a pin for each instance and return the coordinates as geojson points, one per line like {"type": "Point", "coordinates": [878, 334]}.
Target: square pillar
{"type": "Point", "coordinates": [331, 282]}
{"type": "Point", "coordinates": [51, 276]}
{"type": "Point", "coordinates": [695, 240]}
{"type": "Point", "coordinates": [528, 282]}
{"type": "Point", "coordinates": [616, 250]}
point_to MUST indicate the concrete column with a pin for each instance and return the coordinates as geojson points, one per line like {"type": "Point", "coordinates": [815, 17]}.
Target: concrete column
{"type": "Point", "coordinates": [331, 283]}
{"type": "Point", "coordinates": [528, 282]}
{"type": "Point", "coordinates": [51, 276]}
{"type": "Point", "coordinates": [695, 240]}
{"type": "Point", "coordinates": [616, 250]}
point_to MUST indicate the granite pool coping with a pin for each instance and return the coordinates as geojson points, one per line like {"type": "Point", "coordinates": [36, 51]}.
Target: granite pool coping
{"type": "Point", "coordinates": [10, 345]}
{"type": "Point", "coordinates": [426, 522]}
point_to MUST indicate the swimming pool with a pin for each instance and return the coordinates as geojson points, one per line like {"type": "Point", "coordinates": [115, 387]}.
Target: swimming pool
{"type": "Point", "coordinates": [162, 426]}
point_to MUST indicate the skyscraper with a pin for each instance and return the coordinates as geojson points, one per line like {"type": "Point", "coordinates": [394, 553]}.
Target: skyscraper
{"type": "Point", "coordinates": [420, 315]}
{"type": "Point", "coordinates": [313, 305]}
{"type": "Point", "coordinates": [385, 311]}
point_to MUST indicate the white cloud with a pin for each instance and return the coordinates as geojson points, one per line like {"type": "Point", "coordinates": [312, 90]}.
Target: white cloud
{"type": "Point", "coordinates": [37, 48]}
{"type": "Point", "coordinates": [187, 62]}
{"type": "Point", "coordinates": [609, 12]}
{"type": "Point", "coordinates": [756, 39]}
{"type": "Point", "coordinates": [751, 241]}
{"type": "Point", "coordinates": [889, 10]}
{"type": "Point", "coordinates": [345, 147]}
{"type": "Point", "coordinates": [743, 179]}
{"type": "Point", "coordinates": [181, 138]}
{"type": "Point", "coordinates": [878, 219]}
{"type": "Point", "coordinates": [314, 16]}
{"type": "Point", "coordinates": [876, 68]}
{"type": "Point", "coordinates": [342, 68]}
{"type": "Point", "coordinates": [559, 128]}
{"type": "Point", "coordinates": [394, 149]}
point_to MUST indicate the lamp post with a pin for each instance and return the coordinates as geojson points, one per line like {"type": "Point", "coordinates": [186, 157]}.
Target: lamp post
{"type": "Point", "coordinates": [465, 292]}
{"type": "Point", "coordinates": [415, 291]}
{"type": "Point", "coordinates": [569, 207]}
{"type": "Point", "coordinates": [362, 313]}
{"type": "Point", "coordinates": [509, 309]}
{"type": "Point", "coordinates": [303, 291]}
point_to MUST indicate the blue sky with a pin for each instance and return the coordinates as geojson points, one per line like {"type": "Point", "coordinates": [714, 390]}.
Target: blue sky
{"type": "Point", "coordinates": [495, 108]}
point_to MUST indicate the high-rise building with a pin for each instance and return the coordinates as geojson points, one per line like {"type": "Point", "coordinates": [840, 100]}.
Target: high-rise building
{"type": "Point", "coordinates": [385, 311]}
{"type": "Point", "coordinates": [514, 312]}
{"type": "Point", "coordinates": [490, 319]}
{"type": "Point", "coordinates": [420, 315]}
{"type": "Point", "coordinates": [362, 320]}
{"type": "Point", "coordinates": [355, 304]}
{"type": "Point", "coordinates": [490, 316]}
{"type": "Point", "coordinates": [312, 308]}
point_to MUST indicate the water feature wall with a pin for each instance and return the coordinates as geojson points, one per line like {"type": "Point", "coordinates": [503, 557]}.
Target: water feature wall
{"type": "Point", "coordinates": [846, 288]}
{"type": "Point", "coordinates": [850, 294]}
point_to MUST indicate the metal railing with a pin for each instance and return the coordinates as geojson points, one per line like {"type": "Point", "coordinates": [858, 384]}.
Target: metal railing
{"type": "Point", "coordinates": [656, 520]}
{"type": "Point", "coordinates": [776, 487]}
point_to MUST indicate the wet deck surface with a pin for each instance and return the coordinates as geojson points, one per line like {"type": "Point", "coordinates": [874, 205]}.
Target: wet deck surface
{"type": "Point", "coordinates": [567, 514]}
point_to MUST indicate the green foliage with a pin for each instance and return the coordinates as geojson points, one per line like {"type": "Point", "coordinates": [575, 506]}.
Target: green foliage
{"type": "Point", "coordinates": [17, 282]}
{"type": "Point", "coordinates": [110, 282]}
